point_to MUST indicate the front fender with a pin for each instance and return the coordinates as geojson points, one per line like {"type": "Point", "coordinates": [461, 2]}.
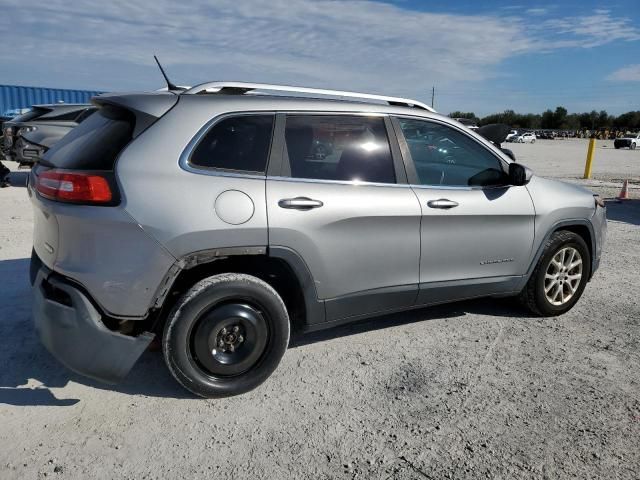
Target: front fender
{"type": "Point", "coordinates": [559, 204]}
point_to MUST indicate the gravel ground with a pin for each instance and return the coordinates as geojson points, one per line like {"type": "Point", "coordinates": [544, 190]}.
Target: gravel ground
{"type": "Point", "coordinates": [566, 159]}
{"type": "Point", "coordinates": [470, 390]}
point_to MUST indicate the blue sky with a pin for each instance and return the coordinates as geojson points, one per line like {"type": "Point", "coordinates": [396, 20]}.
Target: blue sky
{"type": "Point", "coordinates": [482, 56]}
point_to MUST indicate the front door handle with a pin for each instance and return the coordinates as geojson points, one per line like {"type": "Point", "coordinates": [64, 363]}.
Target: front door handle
{"type": "Point", "coordinates": [442, 203]}
{"type": "Point", "coordinates": [300, 203]}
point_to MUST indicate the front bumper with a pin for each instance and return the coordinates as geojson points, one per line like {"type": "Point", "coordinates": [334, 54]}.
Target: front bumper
{"type": "Point", "coordinates": [599, 223]}
{"type": "Point", "coordinates": [71, 329]}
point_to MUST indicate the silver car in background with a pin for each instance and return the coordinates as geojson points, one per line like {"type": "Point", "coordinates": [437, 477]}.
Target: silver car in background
{"type": "Point", "coordinates": [207, 217]}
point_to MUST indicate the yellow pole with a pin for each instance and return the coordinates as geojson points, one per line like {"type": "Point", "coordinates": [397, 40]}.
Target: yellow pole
{"type": "Point", "coordinates": [589, 164]}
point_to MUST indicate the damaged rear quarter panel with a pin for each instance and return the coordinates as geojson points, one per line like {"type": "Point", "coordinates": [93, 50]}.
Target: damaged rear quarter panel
{"type": "Point", "coordinates": [110, 255]}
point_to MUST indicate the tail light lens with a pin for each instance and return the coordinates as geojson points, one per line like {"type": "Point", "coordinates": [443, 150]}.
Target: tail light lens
{"type": "Point", "coordinates": [64, 186]}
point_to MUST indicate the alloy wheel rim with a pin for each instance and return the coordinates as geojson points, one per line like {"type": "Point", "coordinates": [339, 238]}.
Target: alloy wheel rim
{"type": "Point", "coordinates": [563, 276]}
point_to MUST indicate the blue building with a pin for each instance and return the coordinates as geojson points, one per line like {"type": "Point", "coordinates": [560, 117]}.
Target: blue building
{"type": "Point", "coordinates": [14, 97]}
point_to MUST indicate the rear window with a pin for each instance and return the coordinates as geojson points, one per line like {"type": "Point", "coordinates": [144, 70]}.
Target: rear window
{"type": "Point", "coordinates": [95, 143]}
{"type": "Point", "coordinates": [239, 143]}
{"type": "Point", "coordinates": [67, 116]}
{"type": "Point", "coordinates": [85, 114]}
{"type": "Point", "coordinates": [31, 115]}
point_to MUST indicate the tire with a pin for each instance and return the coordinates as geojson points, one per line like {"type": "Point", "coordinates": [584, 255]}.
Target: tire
{"type": "Point", "coordinates": [534, 296]}
{"type": "Point", "coordinates": [209, 313]}
{"type": "Point", "coordinates": [533, 141]}
{"type": "Point", "coordinates": [632, 146]}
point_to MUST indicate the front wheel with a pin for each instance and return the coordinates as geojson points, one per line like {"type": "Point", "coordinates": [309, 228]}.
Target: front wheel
{"type": "Point", "coordinates": [560, 276]}
{"type": "Point", "coordinates": [226, 335]}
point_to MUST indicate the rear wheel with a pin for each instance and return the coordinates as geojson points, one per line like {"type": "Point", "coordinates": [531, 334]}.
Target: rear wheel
{"type": "Point", "coordinates": [559, 277]}
{"type": "Point", "coordinates": [633, 146]}
{"type": "Point", "coordinates": [226, 335]}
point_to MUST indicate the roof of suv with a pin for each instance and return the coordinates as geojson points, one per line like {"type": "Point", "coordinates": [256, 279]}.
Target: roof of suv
{"type": "Point", "coordinates": [242, 88]}
{"type": "Point", "coordinates": [292, 103]}
{"type": "Point", "coordinates": [247, 96]}
{"type": "Point", "coordinates": [155, 102]}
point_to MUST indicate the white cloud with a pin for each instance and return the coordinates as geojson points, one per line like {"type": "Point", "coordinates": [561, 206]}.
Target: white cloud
{"type": "Point", "coordinates": [334, 43]}
{"type": "Point", "coordinates": [588, 31]}
{"type": "Point", "coordinates": [630, 73]}
{"type": "Point", "coordinates": [536, 11]}
{"type": "Point", "coordinates": [362, 44]}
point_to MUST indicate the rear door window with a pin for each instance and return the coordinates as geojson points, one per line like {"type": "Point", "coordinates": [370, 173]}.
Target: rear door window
{"type": "Point", "coordinates": [239, 143]}
{"type": "Point", "coordinates": [339, 147]}
{"type": "Point", "coordinates": [95, 143]}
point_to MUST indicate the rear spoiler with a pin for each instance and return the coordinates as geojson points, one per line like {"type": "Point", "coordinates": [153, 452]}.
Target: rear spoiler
{"type": "Point", "coordinates": [147, 107]}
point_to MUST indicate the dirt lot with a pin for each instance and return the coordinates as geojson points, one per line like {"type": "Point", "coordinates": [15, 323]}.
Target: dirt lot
{"type": "Point", "coordinates": [566, 158]}
{"type": "Point", "coordinates": [470, 390]}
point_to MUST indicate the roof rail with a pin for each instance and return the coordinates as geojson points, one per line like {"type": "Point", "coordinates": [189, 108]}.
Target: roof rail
{"type": "Point", "coordinates": [240, 88]}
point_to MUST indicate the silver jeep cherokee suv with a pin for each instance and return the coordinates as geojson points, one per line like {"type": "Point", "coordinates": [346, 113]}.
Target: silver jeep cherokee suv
{"type": "Point", "coordinates": [223, 216]}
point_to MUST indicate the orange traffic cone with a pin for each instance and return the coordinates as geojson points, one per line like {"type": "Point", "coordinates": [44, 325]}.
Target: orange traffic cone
{"type": "Point", "coordinates": [624, 193]}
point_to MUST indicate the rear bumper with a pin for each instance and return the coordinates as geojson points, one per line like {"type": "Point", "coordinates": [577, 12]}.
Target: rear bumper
{"type": "Point", "coordinates": [71, 329]}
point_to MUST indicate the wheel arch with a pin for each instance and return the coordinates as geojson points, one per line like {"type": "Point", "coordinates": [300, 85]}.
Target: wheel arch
{"type": "Point", "coordinates": [580, 227]}
{"type": "Point", "coordinates": [280, 267]}
{"type": "Point", "coordinates": [586, 233]}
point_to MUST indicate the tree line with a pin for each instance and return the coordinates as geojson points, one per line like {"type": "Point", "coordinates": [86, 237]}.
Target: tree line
{"type": "Point", "coordinates": [559, 119]}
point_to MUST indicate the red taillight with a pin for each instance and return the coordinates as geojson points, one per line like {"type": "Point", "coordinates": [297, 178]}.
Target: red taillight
{"type": "Point", "coordinates": [74, 187]}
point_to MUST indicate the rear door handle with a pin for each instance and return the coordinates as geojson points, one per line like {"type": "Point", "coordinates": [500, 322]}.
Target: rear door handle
{"type": "Point", "coordinates": [442, 203]}
{"type": "Point", "coordinates": [300, 203]}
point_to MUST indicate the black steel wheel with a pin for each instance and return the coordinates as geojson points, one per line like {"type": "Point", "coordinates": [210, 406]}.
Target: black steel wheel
{"type": "Point", "coordinates": [226, 335]}
{"type": "Point", "coordinates": [229, 339]}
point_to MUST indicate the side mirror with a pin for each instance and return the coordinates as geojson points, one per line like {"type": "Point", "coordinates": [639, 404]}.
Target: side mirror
{"type": "Point", "coordinates": [509, 153]}
{"type": "Point", "coordinates": [519, 174]}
